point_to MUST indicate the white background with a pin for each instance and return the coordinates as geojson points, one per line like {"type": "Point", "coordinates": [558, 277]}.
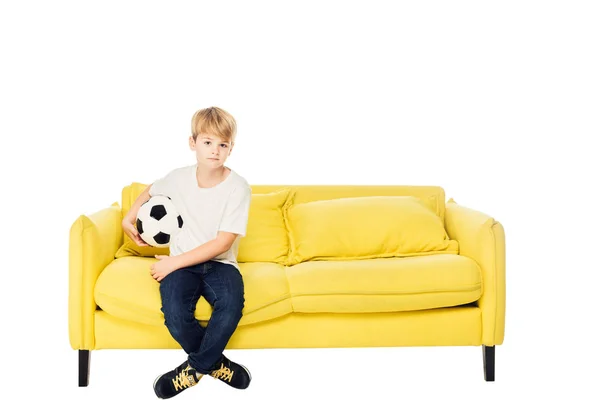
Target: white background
{"type": "Point", "coordinates": [496, 103]}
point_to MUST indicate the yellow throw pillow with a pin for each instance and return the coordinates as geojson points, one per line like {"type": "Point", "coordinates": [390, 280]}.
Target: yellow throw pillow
{"type": "Point", "coordinates": [365, 227]}
{"type": "Point", "coordinates": [129, 248]}
{"type": "Point", "coordinates": [266, 237]}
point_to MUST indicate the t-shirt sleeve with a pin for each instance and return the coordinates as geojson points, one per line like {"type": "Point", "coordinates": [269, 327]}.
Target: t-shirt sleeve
{"type": "Point", "coordinates": [162, 186]}
{"type": "Point", "coordinates": [235, 217]}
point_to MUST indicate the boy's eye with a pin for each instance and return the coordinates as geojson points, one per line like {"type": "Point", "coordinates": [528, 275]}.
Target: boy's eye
{"type": "Point", "coordinates": [222, 144]}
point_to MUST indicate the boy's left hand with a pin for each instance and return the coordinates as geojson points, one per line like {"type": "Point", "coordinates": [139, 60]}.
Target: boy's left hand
{"type": "Point", "coordinates": [162, 268]}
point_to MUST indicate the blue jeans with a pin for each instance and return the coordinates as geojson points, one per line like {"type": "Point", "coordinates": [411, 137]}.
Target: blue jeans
{"type": "Point", "coordinates": [222, 286]}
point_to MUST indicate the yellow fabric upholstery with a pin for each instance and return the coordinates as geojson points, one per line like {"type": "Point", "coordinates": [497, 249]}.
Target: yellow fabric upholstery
{"type": "Point", "coordinates": [384, 284]}
{"type": "Point", "coordinates": [366, 227]}
{"type": "Point", "coordinates": [93, 241]}
{"type": "Point", "coordinates": [272, 290]}
{"type": "Point", "coordinates": [453, 295]}
{"type": "Point", "coordinates": [455, 326]}
{"type": "Point", "coordinates": [266, 237]}
{"type": "Point", "coordinates": [482, 239]}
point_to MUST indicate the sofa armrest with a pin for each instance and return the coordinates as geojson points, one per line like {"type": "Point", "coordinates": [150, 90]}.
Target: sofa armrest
{"type": "Point", "coordinates": [93, 243]}
{"type": "Point", "coordinates": [482, 239]}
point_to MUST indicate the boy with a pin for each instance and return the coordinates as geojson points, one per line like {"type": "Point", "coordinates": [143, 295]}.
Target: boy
{"type": "Point", "coordinates": [214, 202]}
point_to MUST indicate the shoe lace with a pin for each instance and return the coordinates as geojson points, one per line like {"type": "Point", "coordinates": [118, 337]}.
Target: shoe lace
{"type": "Point", "coordinates": [223, 373]}
{"type": "Point", "coordinates": [183, 380]}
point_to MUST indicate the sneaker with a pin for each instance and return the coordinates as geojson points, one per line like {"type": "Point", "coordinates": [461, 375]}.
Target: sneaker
{"type": "Point", "coordinates": [176, 381]}
{"type": "Point", "coordinates": [233, 374]}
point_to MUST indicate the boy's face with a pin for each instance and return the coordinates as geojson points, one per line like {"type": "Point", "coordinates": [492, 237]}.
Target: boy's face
{"type": "Point", "coordinates": [210, 150]}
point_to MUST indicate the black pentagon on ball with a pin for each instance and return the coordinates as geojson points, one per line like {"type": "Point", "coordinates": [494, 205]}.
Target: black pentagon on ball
{"type": "Point", "coordinates": [162, 238]}
{"type": "Point", "coordinates": [158, 211]}
{"type": "Point", "coordinates": [179, 221]}
{"type": "Point", "coordinates": [138, 225]}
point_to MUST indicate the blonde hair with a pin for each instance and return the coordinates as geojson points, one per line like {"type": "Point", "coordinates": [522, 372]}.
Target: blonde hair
{"type": "Point", "coordinates": [214, 121]}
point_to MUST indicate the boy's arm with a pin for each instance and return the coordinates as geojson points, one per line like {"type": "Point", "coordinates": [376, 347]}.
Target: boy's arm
{"type": "Point", "coordinates": [227, 238]}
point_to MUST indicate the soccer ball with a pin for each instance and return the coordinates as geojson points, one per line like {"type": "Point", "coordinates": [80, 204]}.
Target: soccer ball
{"type": "Point", "coordinates": [158, 221]}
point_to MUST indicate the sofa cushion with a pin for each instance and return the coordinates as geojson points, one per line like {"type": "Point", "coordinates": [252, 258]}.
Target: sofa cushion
{"type": "Point", "coordinates": [125, 289]}
{"type": "Point", "coordinates": [357, 228]}
{"type": "Point", "coordinates": [266, 237]}
{"type": "Point", "coordinates": [385, 284]}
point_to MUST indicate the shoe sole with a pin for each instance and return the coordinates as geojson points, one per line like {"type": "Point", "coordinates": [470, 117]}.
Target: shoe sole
{"type": "Point", "coordinates": [154, 387]}
{"type": "Point", "coordinates": [250, 375]}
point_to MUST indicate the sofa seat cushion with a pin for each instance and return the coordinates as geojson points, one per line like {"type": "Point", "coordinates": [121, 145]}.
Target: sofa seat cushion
{"type": "Point", "coordinates": [384, 284]}
{"type": "Point", "coordinates": [125, 289]}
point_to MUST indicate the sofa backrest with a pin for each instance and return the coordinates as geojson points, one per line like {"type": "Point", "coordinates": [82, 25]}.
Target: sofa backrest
{"type": "Point", "coordinates": [273, 236]}
{"type": "Point", "coordinates": [432, 195]}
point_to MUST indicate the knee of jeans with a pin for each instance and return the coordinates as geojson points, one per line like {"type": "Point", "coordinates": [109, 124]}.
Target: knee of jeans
{"type": "Point", "coordinates": [231, 320]}
{"type": "Point", "coordinates": [176, 317]}
{"type": "Point", "coordinates": [232, 313]}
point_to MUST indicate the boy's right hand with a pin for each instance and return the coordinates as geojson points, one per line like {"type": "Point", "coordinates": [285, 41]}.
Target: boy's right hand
{"type": "Point", "coordinates": [132, 232]}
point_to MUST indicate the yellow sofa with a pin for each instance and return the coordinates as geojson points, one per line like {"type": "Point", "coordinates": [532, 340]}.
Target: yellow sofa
{"type": "Point", "coordinates": [323, 266]}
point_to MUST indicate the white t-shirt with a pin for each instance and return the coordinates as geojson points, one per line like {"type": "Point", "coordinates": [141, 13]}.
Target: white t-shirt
{"type": "Point", "coordinates": [205, 211]}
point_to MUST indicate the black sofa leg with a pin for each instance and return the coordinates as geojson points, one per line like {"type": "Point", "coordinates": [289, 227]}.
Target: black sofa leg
{"type": "Point", "coordinates": [489, 355]}
{"type": "Point", "coordinates": [84, 367]}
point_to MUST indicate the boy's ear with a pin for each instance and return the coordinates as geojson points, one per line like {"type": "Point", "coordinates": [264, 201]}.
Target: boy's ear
{"type": "Point", "coordinates": [192, 143]}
